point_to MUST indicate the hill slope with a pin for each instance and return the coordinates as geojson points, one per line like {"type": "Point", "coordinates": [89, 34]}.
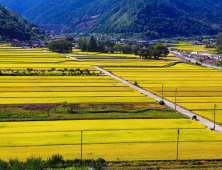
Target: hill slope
{"type": "Point", "coordinates": [19, 6]}
{"type": "Point", "coordinates": [151, 17]}
{"type": "Point", "coordinates": [12, 25]}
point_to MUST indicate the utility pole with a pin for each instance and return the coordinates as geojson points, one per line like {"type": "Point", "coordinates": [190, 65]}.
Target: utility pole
{"type": "Point", "coordinates": [178, 133]}
{"type": "Point", "coordinates": [214, 115]}
{"type": "Point", "coordinates": [176, 99]}
{"type": "Point", "coordinates": [81, 146]}
{"type": "Point", "coordinates": [63, 47]}
{"type": "Point", "coordinates": [162, 92]}
{"type": "Point", "coordinates": [87, 48]}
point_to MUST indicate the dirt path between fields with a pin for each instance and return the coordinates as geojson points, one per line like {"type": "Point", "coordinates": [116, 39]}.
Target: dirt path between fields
{"type": "Point", "coordinates": [183, 111]}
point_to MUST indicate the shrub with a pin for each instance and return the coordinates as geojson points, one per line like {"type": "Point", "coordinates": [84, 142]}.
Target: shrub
{"type": "Point", "coordinates": [100, 161]}
{"type": "Point", "coordinates": [34, 163]}
{"type": "Point", "coordinates": [64, 103]}
{"type": "Point", "coordinates": [197, 63]}
{"type": "Point", "coordinates": [55, 159]}
{"type": "Point", "coordinates": [161, 102]}
{"type": "Point", "coordinates": [3, 165]}
{"type": "Point", "coordinates": [16, 164]}
{"type": "Point", "coordinates": [135, 83]}
{"type": "Point", "coordinates": [88, 161]}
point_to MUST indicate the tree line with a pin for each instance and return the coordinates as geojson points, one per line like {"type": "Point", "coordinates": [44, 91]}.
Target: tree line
{"type": "Point", "coordinates": [107, 46]}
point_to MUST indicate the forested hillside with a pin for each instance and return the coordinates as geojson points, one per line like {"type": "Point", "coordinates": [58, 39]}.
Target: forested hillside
{"type": "Point", "coordinates": [19, 6]}
{"type": "Point", "coordinates": [155, 18]}
{"type": "Point", "coordinates": [13, 26]}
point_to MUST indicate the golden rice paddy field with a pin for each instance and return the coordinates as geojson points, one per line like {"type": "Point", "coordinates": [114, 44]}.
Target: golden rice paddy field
{"type": "Point", "coordinates": [192, 48]}
{"type": "Point", "coordinates": [198, 88]}
{"type": "Point", "coordinates": [127, 62]}
{"type": "Point", "coordinates": [73, 89]}
{"type": "Point", "coordinates": [128, 139]}
{"type": "Point", "coordinates": [200, 48]}
{"type": "Point", "coordinates": [18, 60]}
{"type": "Point", "coordinates": [124, 59]}
{"type": "Point", "coordinates": [84, 89]}
{"type": "Point", "coordinates": [137, 139]}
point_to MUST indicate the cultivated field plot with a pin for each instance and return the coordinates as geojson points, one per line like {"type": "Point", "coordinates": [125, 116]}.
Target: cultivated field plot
{"type": "Point", "coordinates": [192, 48]}
{"type": "Point", "coordinates": [128, 62]}
{"type": "Point", "coordinates": [126, 139]}
{"type": "Point", "coordinates": [84, 89]}
{"type": "Point", "coordinates": [79, 54]}
{"type": "Point", "coordinates": [19, 60]}
{"type": "Point", "coordinates": [198, 88]}
{"type": "Point", "coordinates": [28, 53]}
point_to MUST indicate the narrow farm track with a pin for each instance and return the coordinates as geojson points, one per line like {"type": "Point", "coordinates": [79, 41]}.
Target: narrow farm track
{"type": "Point", "coordinates": [183, 111]}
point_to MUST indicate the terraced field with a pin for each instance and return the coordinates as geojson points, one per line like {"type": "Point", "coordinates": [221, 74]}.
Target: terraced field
{"type": "Point", "coordinates": [128, 139]}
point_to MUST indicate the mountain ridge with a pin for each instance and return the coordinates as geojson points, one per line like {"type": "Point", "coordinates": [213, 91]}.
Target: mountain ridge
{"type": "Point", "coordinates": [157, 18]}
{"type": "Point", "coordinates": [19, 6]}
{"type": "Point", "coordinates": [14, 26]}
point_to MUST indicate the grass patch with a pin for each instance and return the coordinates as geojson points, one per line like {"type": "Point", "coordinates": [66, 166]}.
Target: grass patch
{"type": "Point", "coordinates": [87, 111]}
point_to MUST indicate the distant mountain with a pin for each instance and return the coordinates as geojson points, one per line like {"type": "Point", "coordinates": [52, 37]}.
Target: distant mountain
{"type": "Point", "coordinates": [19, 6]}
{"type": "Point", "coordinates": [13, 26]}
{"type": "Point", "coordinates": [154, 18]}
{"type": "Point", "coordinates": [55, 11]}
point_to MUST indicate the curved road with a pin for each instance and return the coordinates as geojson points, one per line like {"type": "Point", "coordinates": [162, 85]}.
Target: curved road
{"type": "Point", "coordinates": [183, 111]}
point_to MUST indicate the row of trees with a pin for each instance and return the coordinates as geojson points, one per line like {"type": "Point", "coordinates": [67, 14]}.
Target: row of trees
{"type": "Point", "coordinates": [157, 51]}
{"type": "Point", "coordinates": [107, 47]}
{"type": "Point", "coordinates": [30, 71]}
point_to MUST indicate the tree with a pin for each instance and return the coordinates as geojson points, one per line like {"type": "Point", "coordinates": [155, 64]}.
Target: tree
{"type": "Point", "coordinates": [100, 47]}
{"type": "Point", "coordinates": [87, 71]}
{"type": "Point", "coordinates": [135, 48]}
{"type": "Point", "coordinates": [161, 51]}
{"type": "Point", "coordinates": [83, 45]}
{"type": "Point", "coordinates": [77, 70]}
{"type": "Point", "coordinates": [60, 46]}
{"type": "Point", "coordinates": [144, 53]}
{"type": "Point", "coordinates": [93, 45]}
{"type": "Point", "coordinates": [126, 49]}
{"type": "Point", "coordinates": [118, 47]}
{"type": "Point", "coordinates": [71, 71]}
{"type": "Point", "coordinates": [90, 46]}
{"type": "Point", "coordinates": [219, 43]}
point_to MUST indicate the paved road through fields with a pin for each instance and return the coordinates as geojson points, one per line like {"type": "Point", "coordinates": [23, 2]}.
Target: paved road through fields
{"type": "Point", "coordinates": [183, 111]}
